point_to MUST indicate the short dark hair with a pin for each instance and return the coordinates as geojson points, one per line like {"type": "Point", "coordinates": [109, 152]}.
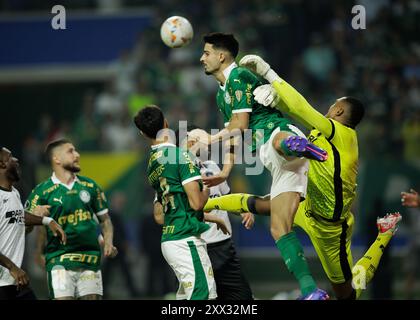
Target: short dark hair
{"type": "Point", "coordinates": [189, 128]}
{"type": "Point", "coordinates": [357, 111]}
{"type": "Point", "coordinates": [150, 120]}
{"type": "Point", "coordinates": [224, 41]}
{"type": "Point", "coordinates": [54, 144]}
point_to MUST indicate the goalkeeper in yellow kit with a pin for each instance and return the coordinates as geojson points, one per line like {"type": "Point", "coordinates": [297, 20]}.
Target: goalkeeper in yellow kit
{"type": "Point", "coordinates": [325, 213]}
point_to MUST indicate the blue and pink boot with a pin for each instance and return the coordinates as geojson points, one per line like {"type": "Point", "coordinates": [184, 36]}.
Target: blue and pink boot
{"type": "Point", "coordinates": [300, 147]}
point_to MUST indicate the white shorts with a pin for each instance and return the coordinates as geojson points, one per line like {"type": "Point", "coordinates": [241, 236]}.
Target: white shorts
{"type": "Point", "coordinates": [288, 175]}
{"type": "Point", "coordinates": [74, 283]}
{"type": "Point", "coordinates": [189, 260]}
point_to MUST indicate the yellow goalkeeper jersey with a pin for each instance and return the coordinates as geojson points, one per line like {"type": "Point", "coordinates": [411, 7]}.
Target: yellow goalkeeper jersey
{"type": "Point", "coordinates": [331, 184]}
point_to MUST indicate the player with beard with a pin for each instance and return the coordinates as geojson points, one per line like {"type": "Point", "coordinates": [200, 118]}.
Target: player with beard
{"type": "Point", "coordinates": [73, 269]}
{"type": "Point", "coordinates": [13, 280]}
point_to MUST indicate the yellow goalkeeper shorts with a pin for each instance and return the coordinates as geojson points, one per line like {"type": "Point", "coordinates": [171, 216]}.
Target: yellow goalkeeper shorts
{"type": "Point", "coordinates": [331, 240]}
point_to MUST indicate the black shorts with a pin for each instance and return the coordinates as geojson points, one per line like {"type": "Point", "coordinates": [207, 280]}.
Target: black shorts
{"type": "Point", "coordinates": [230, 282]}
{"type": "Point", "coordinates": [12, 293]}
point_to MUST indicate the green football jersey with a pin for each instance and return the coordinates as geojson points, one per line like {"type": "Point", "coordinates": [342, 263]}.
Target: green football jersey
{"type": "Point", "coordinates": [73, 208]}
{"type": "Point", "coordinates": [169, 169]}
{"type": "Point", "coordinates": [236, 96]}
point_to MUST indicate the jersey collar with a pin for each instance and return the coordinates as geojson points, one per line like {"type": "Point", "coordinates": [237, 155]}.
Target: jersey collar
{"type": "Point", "coordinates": [70, 186]}
{"type": "Point", "coordinates": [226, 73]}
{"type": "Point", "coordinates": [164, 144]}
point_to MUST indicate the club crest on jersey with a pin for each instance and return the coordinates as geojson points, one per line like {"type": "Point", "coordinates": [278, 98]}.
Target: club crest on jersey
{"type": "Point", "coordinates": [228, 99]}
{"type": "Point", "coordinates": [238, 95]}
{"type": "Point", "coordinates": [84, 196]}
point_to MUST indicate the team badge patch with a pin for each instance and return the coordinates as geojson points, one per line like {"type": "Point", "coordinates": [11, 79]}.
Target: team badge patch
{"type": "Point", "coordinates": [238, 95]}
{"type": "Point", "coordinates": [84, 196]}
{"type": "Point", "coordinates": [228, 100]}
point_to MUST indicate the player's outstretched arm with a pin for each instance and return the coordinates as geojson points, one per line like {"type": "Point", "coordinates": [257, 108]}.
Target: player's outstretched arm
{"type": "Point", "coordinates": [248, 220]}
{"type": "Point", "coordinates": [289, 99]}
{"type": "Point", "coordinates": [220, 223]}
{"type": "Point", "coordinates": [228, 161]}
{"type": "Point", "coordinates": [410, 199]}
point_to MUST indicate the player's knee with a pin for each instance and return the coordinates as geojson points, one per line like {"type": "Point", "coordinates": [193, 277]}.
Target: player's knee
{"type": "Point", "coordinates": [276, 142]}
{"type": "Point", "coordinates": [279, 230]}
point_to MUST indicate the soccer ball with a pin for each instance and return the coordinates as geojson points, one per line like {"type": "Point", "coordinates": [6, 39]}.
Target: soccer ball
{"type": "Point", "coordinates": [176, 32]}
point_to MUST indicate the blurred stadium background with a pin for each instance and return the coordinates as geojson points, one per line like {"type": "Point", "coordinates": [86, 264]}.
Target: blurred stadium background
{"type": "Point", "coordinates": [86, 82]}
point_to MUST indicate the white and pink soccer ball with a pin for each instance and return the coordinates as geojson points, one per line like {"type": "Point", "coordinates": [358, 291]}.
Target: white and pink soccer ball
{"type": "Point", "coordinates": [176, 32]}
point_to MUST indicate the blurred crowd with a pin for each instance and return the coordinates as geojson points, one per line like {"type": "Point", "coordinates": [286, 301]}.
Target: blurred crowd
{"type": "Point", "coordinates": [310, 43]}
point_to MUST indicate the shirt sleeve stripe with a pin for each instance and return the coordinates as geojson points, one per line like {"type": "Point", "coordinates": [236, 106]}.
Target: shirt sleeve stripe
{"type": "Point", "coordinates": [102, 212]}
{"type": "Point", "coordinates": [242, 110]}
{"type": "Point", "coordinates": [332, 131]}
{"type": "Point", "coordinates": [191, 179]}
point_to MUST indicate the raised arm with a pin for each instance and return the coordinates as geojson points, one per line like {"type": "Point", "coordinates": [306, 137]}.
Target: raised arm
{"type": "Point", "coordinates": [289, 100]}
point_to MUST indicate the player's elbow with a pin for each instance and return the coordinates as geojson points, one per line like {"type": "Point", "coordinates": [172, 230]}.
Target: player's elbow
{"type": "Point", "coordinates": [197, 204]}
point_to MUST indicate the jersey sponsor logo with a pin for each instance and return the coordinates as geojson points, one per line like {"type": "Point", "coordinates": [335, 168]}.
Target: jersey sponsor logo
{"type": "Point", "coordinates": [59, 200]}
{"type": "Point", "coordinates": [51, 189]}
{"type": "Point", "coordinates": [238, 95]}
{"type": "Point", "coordinates": [190, 163]}
{"type": "Point", "coordinates": [155, 156]}
{"type": "Point", "coordinates": [248, 93]}
{"type": "Point", "coordinates": [313, 138]}
{"type": "Point", "coordinates": [215, 195]}
{"type": "Point", "coordinates": [228, 99]}
{"type": "Point", "coordinates": [187, 284]}
{"type": "Point", "coordinates": [34, 202]}
{"type": "Point", "coordinates": [210, 272]}
{"type": "Point", "coordinates": [15, 216]}
{"type": "Point", "coordinates": [168, 229]}
{"type": "Point", "coordinates": [236, 80]}
{"type": "Point", "coordinates": [154, 176]}
{"type": "Point", "coordinates": [86, 184]}
{"type": "Point", "coordinates": [80, 257]}
{"type": "Point", "coordinates": [84, 196]}
{"type": "Point", "coordinates": [75, 218]}
{"type": "Point", "coordinates": [208, 173]}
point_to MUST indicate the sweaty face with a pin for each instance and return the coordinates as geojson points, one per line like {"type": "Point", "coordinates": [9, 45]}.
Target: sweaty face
{"type": "Point", "coordinates": [68, 157]}
{"type": "Point", "coordinates": [210, 59]}
{"type": "Point", "coordinates": [12, 165]}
